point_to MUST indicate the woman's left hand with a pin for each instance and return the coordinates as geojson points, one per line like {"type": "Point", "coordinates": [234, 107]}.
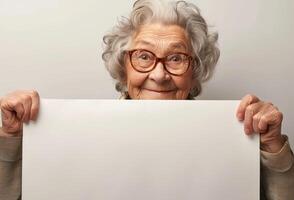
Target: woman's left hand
{"type": "Point", "coordinates": [263, 118]}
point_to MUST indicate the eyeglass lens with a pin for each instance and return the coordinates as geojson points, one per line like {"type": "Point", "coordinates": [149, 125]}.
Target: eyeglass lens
{"type": "Point", "coordinates": [145, 61]}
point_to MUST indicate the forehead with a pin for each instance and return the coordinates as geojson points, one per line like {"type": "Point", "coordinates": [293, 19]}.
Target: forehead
{"type": "Point", "coordinates": [159, 35]}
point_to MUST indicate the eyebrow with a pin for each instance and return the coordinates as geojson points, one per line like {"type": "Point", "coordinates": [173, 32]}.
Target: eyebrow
{"type": "Point", "coordinates": [173, 45]}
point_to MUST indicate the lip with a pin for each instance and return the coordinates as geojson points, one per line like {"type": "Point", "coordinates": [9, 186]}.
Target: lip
{"type": "Point", "coordinates": [158, 91]}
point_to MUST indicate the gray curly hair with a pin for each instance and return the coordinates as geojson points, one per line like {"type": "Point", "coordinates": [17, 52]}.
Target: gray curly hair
{"type": "Point", "coordinates": [184, 14]}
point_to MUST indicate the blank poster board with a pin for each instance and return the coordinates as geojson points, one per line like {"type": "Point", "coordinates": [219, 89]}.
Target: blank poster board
{"type": "Point", "coordinates": [130, 150]}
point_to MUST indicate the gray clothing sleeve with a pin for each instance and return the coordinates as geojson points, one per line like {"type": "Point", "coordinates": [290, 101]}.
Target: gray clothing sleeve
{"type": "Point", "coordinates": [10, 167]}
{"type": "Point", "coordinates": [277, 173]}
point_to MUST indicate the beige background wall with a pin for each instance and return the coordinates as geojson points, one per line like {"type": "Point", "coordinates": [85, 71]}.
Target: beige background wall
{"type": "Point", "coordinates": [55, 47]}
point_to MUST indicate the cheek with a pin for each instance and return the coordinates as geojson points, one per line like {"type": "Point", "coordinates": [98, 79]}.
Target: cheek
{"type": "Point", "coordinates": [183, 83]}
{"type": "Point", "coordinates": [134, 78]}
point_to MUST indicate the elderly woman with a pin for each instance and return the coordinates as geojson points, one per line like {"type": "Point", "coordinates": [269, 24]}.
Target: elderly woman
{"type": "Point", "coordinates": [162, 51]}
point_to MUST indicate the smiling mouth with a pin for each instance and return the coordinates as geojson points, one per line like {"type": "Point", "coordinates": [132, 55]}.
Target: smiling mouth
{"type": "Point", "coordinates": [159, 91]}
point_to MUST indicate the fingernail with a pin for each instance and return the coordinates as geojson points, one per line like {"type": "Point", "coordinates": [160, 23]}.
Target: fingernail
{"type": "Point", "coordinates": [247, 131]}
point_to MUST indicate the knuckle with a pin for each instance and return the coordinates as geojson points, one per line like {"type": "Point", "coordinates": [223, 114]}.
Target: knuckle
{"type": "Point", "coordinates": [251, 97]}
{"type": "Point", "coordinates": [269, 104]}
{"type": "Point", "coordinates": [263, 118]}
{"type": "Point", "coordinates": [14, 101]}
{"type": "Point", "coordinates": [256, 117]}
{"type": "Point", "coordinates": [247, 97]}
{"type": "Point", "coordinates": [34, 93]}
{"type": "Point", "coordinates": [27, 98]}
{"type": "Point", "coordinates": [276, 108]}
{"type": "Point", "coordinates": [279, 116]}
{"type": "Point", "coordinates": [249, 109]}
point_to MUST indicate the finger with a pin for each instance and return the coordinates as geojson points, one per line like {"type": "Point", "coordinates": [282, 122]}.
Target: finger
{"type": "Point", "coordinates": [13, 106]}
{"type": "Point", "coordinates": [35, 105]}
{"type": "Point", "coordinates": [274, 118]}
{"type": "Point", "coordinates": [250, 111]}
{"type": "Point", "coordinates": [257, 127]}
{"type": "Point", "coordinates": [11, 124]}
{"type": "Point", "coordinates": [248, 122]}
{"type": "Point", "coordinates": [20, 110]}
{"type": "Point", "coordinates": [27, 103]}
{"type": "Point", "coordinates": [12, 112]}
{"type": "Point", "coordinates": [246, 100]}
{"type": "Point", "coordinates": [256, 119]}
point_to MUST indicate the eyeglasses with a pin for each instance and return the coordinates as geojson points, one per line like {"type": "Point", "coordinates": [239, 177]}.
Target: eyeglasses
{"type": "Point", "coordinates": [145, 61]}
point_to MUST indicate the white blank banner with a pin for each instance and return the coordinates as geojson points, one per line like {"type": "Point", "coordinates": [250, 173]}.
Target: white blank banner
{"type": "Point", "coordinates": [139, 150]}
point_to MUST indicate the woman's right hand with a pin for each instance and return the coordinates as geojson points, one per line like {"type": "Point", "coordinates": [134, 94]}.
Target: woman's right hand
{"type": "Point", "coordinates": [18, 107]}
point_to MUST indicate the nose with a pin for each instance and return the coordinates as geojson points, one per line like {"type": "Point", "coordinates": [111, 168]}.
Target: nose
{"type": "Point", "coordinates": [159, 74]}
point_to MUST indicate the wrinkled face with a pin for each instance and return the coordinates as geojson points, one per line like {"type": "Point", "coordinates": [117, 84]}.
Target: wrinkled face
{"type": "Point", "coordinates": [162, 40]}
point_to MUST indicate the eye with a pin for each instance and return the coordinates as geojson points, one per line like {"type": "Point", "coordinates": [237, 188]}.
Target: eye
{"type": "Point", "coordinates": [175, 58]}
{"type": "Point", "coordinates": [145, 56]}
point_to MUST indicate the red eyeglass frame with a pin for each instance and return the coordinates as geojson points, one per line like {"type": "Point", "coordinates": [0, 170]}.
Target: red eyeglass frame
{"type": "Point", "coordinates": [157, 59]}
